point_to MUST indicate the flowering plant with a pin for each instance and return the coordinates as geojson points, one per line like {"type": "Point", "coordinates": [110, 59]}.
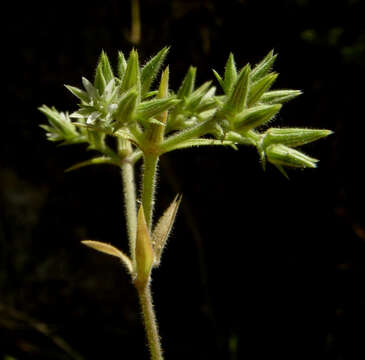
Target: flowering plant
{"type": "Point", "coordinates": [125, 120]}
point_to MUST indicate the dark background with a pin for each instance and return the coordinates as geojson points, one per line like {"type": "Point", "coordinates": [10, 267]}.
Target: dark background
{"type": "Point", "coordinates": [258, 266]}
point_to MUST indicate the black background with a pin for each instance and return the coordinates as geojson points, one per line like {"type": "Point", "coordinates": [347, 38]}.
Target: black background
{"type": "Point", "coordinates": [258, 266]}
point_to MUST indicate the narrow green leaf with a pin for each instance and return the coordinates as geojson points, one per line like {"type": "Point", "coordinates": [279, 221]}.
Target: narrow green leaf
{"type": "Point", "coordinates": [230, 74]}
{"type": "Point", "coordinates": [93, 161]}
{"type": "Point", "coordinates": [254, 117]}
{"type": "Point", "coordinates": [151, 69]}
{"type": "Point", "coordinates": [259, 88]}
{"type": "Point", "coordinates": [163, 228]}
{"type": "Point", "coordinates": [110, 250]}
{"type": "Point", "coordinates": [82, 95]}
{"type": "Point", "coordinates": [219, 79]}
{"type": "Point", "coordinates": [144, 252]}
{"type": "Point", "coordinates": [262, 68]}
{"type": "Point", "coordinates": [279, 96]}
{"type": "Point", "coordinates": [293, 136]}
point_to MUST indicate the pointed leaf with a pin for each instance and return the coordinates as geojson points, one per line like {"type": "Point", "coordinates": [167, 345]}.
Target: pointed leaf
{"type": "Point", "coordinates": [220, 80]}
{"type": "Point", "coordinates": [163, 228]}
{"type": "Point", "coordinates": [110, 250]}
{"type": "Point", "coordinates": [93, 161]}
{"type": "Point", "coordinates": [144, 251]}
{"type": "Point", "coordinates": [151, 69]}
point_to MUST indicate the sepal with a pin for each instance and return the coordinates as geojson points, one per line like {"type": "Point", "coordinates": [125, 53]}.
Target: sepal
{"type": "Point", "coordinates": [230, 74]}
{"type": "Point", "coordinates": [122, 65]}
{"type": "Point", "coordinates": [259, 88]}
{"type": "Point", "coordinates": [131, 77]}
{"type": "Point", "coordinates": [254, 117]}
{"type": "Point", "coordinates": [236, 101]}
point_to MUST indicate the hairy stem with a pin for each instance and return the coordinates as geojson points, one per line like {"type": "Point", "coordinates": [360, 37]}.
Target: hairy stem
{"type": "Point", "coordinates": [149, 320]}
{"type": "Point", "coordinates": [129, 192]}
{"type": "Point", "coordinates": [148, 186]}
{"type": "Point", "coordinates": [130, 206]}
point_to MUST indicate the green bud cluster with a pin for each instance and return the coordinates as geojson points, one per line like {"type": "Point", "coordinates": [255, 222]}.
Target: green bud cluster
{"type": "Point", "coordinates": [124, 105]}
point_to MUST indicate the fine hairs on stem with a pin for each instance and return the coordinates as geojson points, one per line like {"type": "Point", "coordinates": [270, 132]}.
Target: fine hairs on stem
{"type": "Point", "coordinates": [148, 122]}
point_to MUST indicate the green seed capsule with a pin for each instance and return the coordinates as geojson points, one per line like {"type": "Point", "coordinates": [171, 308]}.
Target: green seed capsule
{"type": "Point", "coordinates": [293, 136]}
{"type": "Point", "coordinates": [285, 156]}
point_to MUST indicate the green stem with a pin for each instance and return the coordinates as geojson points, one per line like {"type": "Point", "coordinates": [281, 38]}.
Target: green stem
{"type": "Point", "coordinates": [150, 324]}
{"type": "Point", "coordinates": [130, 206]}
{"type": "Point", "coordinates": [148, 186]}
{"type": "Point", "coordinates": [129, 192]}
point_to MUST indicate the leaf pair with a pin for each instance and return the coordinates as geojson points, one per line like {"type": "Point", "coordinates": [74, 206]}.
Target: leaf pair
{"type": "Point", "coordinates": [148, 249]}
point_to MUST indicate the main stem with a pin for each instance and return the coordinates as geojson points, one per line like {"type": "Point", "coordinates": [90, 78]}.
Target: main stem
{"type": "Point", "coordinates": [129, 191]}
{"type": "Point", "coordinates": [150, 323]}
